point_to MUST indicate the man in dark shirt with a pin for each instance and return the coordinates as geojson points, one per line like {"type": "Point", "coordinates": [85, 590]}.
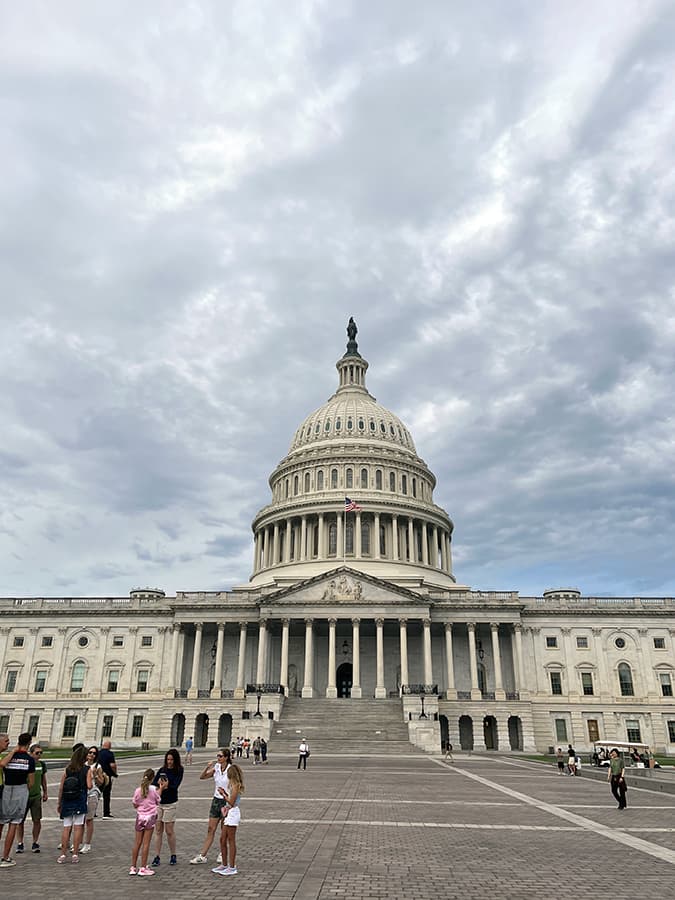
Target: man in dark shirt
{"type": "Point", "coordinates": [18, 770]}
{"type": "Point", "coordinates": [106, 758]}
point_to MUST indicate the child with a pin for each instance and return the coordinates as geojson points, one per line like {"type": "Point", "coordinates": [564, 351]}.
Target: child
{"type": "Point", "coordinates": [231, 818]}
{"type": "Point", "coordinates": [146, 800]}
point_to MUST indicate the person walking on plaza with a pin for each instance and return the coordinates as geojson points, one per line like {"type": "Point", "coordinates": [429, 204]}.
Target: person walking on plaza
{"type": "Point", "coordinates": [98, 782]}
{"type": "Point", "coordinates": [146, 800]}
{"type": "Point", "coordinates": [18, 767]}
{"type": "Point", "coordinates": [448, 752]}
{"type": "Point", "coordinates": [231, 819]}
{"type": "Point", "coordinates": [106, 759]}
{"type": "Point", "coordinates": [561, 761]}
{"type": "Point", "coordinates": [303, 753]}
{"type": "Point", "coordinates": [571, 760]}
{"type": "Point", "coordinates": [263, 750]}
{"type": "Point", "coordinates": [76, 782]}
{"type": "Point", "coordinates": [217, 770]}
{"type": "Point", "coordinates": [171, 774]}
{"type": "Point", "coordinates": [37, 794]}
{"type": "Point", "coordinates": [189, 747]}
{"type": "Point", "coordinates": [616, 777]}
{"type": "Point", "coordinates": [256, 751]}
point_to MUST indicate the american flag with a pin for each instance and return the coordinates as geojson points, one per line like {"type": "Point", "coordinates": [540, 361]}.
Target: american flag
{"type": "Point", "coordinates": [351, 505]}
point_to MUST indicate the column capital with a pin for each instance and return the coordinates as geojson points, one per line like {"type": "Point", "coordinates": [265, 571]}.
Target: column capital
{"type": "Point", "coordinates": [33, 630]}
{"type": "Point", "coordinates": [426, 623]}
{"type": "Point", "coordinates": [494, 626]}
{"type": "Point", "coordinates": [243, 625]}
{"type": "Point", "coordinates": [597, 632]}
{"type": "Point", "coordinates": [221, 626]}
{"type": "Point", "coordinates": [176, 626]}
{"type": "Point", "coordinates": [471, 626]}
{"type": "Point", "coordinates": [379, 622]}
{"type": "Point", "coordinates": [285, 623]}
{"type": "Point", "coordinates": [356, 621]}
{"type": "Point", "coordinates": [309, 622]}
{"type": "Point", "coordinates": [566, 631]}
{"type": "Point", "coordinates": [448, 626]}
{"type": "Point", "coordinates": [263, 622]}
{"type": "Point", "coordinates": [332, 622]}
{"type": "Point", "coordinates": [198, 626]}
{"type": "Point", "coordinates": [402, 622]}
{"type": "Point", "coordinates": [518, 627]}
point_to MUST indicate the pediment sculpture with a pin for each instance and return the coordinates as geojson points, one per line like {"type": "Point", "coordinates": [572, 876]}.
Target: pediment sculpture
{"type": "Point", "coordinates": [342, 590]}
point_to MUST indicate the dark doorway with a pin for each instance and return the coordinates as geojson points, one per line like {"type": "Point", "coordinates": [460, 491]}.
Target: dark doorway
{"type": "Point", "coordinates": [515, 733]}
{"type": "Point", "coordinates": [445, 732]}
{"type": "Point", "coordinates": [490, 733]}
{"type": "Point", "coordinates": [201, 730]}
{"type": "Point", "coordinates": [177, 730]}
{"type": "Point", "coordinates": [343, 679]}
{"type": "Point", "coordinates": [466, 732]}
{"type": "Point", "coordinates": [224, 730]}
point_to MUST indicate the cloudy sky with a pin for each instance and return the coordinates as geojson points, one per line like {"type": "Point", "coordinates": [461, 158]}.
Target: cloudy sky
{"type": "Point", "coordinates": [196, 196]}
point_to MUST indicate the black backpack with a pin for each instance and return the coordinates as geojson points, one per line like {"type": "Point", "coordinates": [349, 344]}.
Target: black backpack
{"type": "Point", "coordinates": [72, 787]}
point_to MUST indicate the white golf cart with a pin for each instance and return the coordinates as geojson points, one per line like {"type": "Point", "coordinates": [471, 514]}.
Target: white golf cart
{"type": "Point", "coordinates": [601, 749]}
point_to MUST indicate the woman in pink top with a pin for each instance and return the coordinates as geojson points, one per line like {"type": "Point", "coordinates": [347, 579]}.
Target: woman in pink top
{"type": "Point", "coordinates": [146, 800]}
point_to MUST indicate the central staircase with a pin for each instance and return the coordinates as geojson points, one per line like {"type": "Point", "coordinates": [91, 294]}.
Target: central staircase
{"type": "Point", "coordinates": [342, 726]}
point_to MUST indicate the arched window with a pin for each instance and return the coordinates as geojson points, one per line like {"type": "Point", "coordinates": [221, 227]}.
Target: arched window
{"type": "Point", "coordinates": [307, 482]}
{"type": "Point", "coordinates": [365, 538]}
{"type": "Point", "coordinates": [333, 478]}
{"type": "Point", "coordinates": [319, 480]}
{"type": "Point", "coordinates": [404, 484]}
{"type": "Point", "coordinates": [287, 489]}
{"type": "Point", "coordinates": [414, 487]}
{"type": "Point", "coordinates": [625, 680]}
{"type": "Point", "coordinates": [332, 540]}
{"type": "Point", "coordinates": [364, 478]}
{"type": "Point", "coordinates": [392, 482]}
{"type": "Point", "coordinates": [349, 479]}
{"type": "Point", "coordinates": [349, 538]}
{"type": "Point", "coordinates": [378, 480]}
{"type": "Point", "coordinates": [338, 424]}
{"type": "Point", "coordinates": [296, 485]}
{"type": "Point", "coordinates": [77, 677]}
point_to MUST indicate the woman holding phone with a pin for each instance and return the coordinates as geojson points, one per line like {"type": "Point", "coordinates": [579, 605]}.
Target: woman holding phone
{"type": "Point", "coordinates": [170, 775]}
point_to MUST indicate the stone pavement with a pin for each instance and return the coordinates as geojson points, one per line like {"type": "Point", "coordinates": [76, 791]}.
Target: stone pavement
{"type": "Point", "coordinates": [405, 826]}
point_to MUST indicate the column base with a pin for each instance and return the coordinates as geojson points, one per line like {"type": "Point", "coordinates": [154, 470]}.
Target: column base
{"type": "Point", "coordinates": [380, 693]}
{"type": "Point", "coordinates": [307, 692]}
{"type": "Point", "coordinates": [239, 694]}
{"type": "Point", "coordinates": [500, 695]}
{"type": "Point", "coordinates": [476, 695]}
{"type": "Point", "coordinates": [451, 694]}
{"type": "Point", "coordinates": [356, 692]}
{"type": "Point", "coordinates": [192, 694]}
{"type": "Point", "coordinates": [331, 692]}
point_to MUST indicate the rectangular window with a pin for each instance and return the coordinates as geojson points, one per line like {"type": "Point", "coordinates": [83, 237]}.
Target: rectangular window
{"type": "Point", "coordinates": [659, 643]}
{"type": "Point", "coordinates": [18, 641]}
{"type": "Point", "coordinates": [593, 730]}
{"type": "Point", "coordinates": [106, 729]}
{"type": "Point", "coordinates": [118, 641]}
{"type": "Point", "coordinates": [633, 730]}
{"type": "Point", "coordinates": [142, 683]}
{"type": "Point", "coordinates": [551, 642]}
{"type": "Point", "coordinates": [33, 722]}
{"type": "Point", "coordinates": [4, 724]}
{"type": "Point", "coordinates": [69, 726]}
{"type": "Point", "coordinates": [671, 730]}
{"type": "Point", "coordinates": [137, 726]}
{"type": "Point", "coordinates": [666, 685]}
{"type": "Point", "coordinates": [582, 643]}
{"type": "Point", "coordinates": [113, 681]}
{"type": "Point", "coordinates": [40, 681]}
{"type": "Point", "coordinates": [146, 640]}
{"type": "Point", "coordinates": [47, 641]}
{"type": "Point", "coordinates": [10, 684]}
{"type": "Point", "coordinates": [587, 683]}
{"type": "Point", "coordinates": [556, 683]}
{"type": "Point", "coordinates": [561, 729]}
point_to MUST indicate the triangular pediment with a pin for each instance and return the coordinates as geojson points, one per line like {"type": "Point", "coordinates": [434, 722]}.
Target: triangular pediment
{"type": "Point", "coordinates": [344, 587]}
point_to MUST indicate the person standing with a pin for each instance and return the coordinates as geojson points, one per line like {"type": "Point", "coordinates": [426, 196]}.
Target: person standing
{"type": "Point", "coordinates": [168, 777]}
{"type": "Point", "coordinates": [221, 784]}
{"type": "Point", "coordinates": [303, 753]}
{"type": "Point", "coordinates": [256, 751]}
{"type": "Point", "coordinates": [263, 750]}
{"type": "Point", "coordinates": [37, 795]}
{"type": "Point", "coordinates": [231, 818]}
{"type": "Point", "coordinates": [19, 768]}
{"type": "Point", "coordinates": [146, 800]}
{"type": "Point", "coordinates": [71, 807]}
{"type": "Point", "coordinates": [617, 779]}
{"type": "Point", "coordinates": [107, 762]}
{"type": "Point", "coordinates": [571, 760]}
{"type": "Point", "coordinates": [98, 782]}
{"type": "Point", "coordinates": [561, 761]}
{"type": "Point", "coordinates": [4, 744]}
{"type": "Point", "coordinates": [189, 747]}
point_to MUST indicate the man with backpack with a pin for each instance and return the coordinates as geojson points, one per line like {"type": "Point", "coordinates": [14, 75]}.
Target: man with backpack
{"type": "Point", "coordinates": [19, 771]}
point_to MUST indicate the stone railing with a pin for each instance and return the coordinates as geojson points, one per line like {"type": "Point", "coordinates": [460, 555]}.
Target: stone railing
{"type": "Point", "coordinates": [419, 689]}
{"type": "Point", "coordinates": [180, 694]}
{"type": "Point", "coordinates": [513, 695]}
{"type": "Point", "coordinates": [599, 602]}
{"type": "Point", "coordinates": [268, 688]}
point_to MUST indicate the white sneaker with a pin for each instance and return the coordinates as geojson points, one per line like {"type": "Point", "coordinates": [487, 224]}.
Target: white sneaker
{"type": "Point", "coordinates": [230, 870]}
{"type": "Point", "coordinates": [85, 848]}
{"type": "Point", "coordinates": [195, 861]}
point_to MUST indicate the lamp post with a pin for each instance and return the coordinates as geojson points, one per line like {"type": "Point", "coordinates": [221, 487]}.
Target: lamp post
{"type": "Point", "coordinates": [257, 714]}
{"type": "Point", "coordinates": [422, 715]}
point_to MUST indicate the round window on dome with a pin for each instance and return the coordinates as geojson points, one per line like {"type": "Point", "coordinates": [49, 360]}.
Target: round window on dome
{"type": "Point", "coordinates": [620, 643]}
{"type": "Point", "coordinates": [83, 640]}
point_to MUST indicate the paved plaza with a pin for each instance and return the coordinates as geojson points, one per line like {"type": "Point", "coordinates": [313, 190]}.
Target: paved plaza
{"type": "Point", "coordinates": [408, 827]}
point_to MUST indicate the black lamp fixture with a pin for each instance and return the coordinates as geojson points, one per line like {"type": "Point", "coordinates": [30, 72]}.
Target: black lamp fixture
{"type": "Point", "coordinates": [345, 649]}
{"type": "Point", "coordinates": [214, 650]}
{"type": "Point", "coordinates": [257, 714]}
{"type": "Point", "coordinates": [481, 652]}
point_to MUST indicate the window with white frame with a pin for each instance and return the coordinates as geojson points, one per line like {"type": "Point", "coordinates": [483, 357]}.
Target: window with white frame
{"type": "Point", "coordinates": [561, 729]}
{"type": "Point", "coordinates": [4, 724]}
{"type": "Point", "coordinates": [146, 640]}
{"type": "Point", "coordinates": [118, 640]}
{"type": "Point", "coordinates": [113, 681]}
{"type": "Point", "coordinates": [587, 683]}
{"type": "Point", "coordinates": [556, 683]}
{"type": "Point", "coordinates": [107, 726]}
{"type": "Point", "coordinates": [582, 643]}
{"type": "Point", "coordinates": [19, 641]}
{"type": "Point", "coordinates": [659, 643]}
{"type": "Point", "coordinates": [551, 642]}
{"type": "Point", "coordinates": [40, 681]}
{"type": "Point", "coordinates": [633, 731]}
{"type": "Point", "coordinates": [671, 731]}
{"type": "Point", "coordinates": [77, 678]}
{"type": "Point", "coordinates": [10, 681]}
{"type": "Point", "coordinates": [48, 641]}
{"type": "Point", "coordinates": [142, 681]}
{"type": "Point", "coordinates": [69, 726]}
{"type": "Point", "coordinates": [625, 680]}
{"type": "Point", "coordinates": [666, 684]}
{"type": "Point", "coordinates": [137, 726]}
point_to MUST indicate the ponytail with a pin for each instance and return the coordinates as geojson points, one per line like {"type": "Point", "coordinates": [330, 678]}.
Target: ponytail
{"type": "Point", "coordinates": [148, 775]}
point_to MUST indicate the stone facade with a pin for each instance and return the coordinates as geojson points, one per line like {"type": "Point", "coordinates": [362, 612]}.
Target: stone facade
{"type": "Point", "coordinates": [343, 604]}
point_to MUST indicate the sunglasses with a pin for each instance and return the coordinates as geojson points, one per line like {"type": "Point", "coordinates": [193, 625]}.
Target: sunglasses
{"type": "Point", "coordinates": [220, 755]}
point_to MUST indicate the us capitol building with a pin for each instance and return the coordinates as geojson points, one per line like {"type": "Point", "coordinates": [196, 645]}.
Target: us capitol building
{"type": "Point", "coordinates": [346, 601]}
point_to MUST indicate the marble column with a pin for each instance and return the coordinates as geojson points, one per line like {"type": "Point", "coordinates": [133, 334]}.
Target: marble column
{"type": "Point", "coordinates": [356, 659]}
{"type": "Point", "coordinates": [425, 544]}
{"type": "Point", "coordinates": [240, 690]}
{"type": "Point", "coordinates": [308, 684]}
{"type": "Point", "coordinates": [496, 655]}
{"type": "Point", "coordinates": [380, 690]}
{"type": "Point", "coordinates": [303, 538]}
{"type": "Point", "coordinates": [434, 542]}
{"type": "Point", "coordinates": [275, 545]}
{"type": "Point", "coordinates": [218, 672]}
{"type": "Point", "coordinates": [412, 549]}
{"type": "Point", "coordinates": [394, 537]}
{"type": "Point", "coordinates": [357, 535]}
{"type": "Point", "coordinates": [375, 547]}
{"type": "Point", "coordinates": [283, 672]}
{"type": "Point", "coordinates": [196, 659]}
{"type": "Point", "coordinates": [260, 671]}
{"type": "Point", "coordinates": [444, 555]}
{"type": "Point", "coordinates": [174, 674]}
{"type": "Point", "coordinates": [403, 641]}
{"type": "Point", "coordinates": [287, 542]}
{"type": "Point", "coordinates": [473, 662]}
{"type": "Point", "coordinates": [331, 690]}
{"type": "Point", "coordinates": [426, 633]}
{"type": "Point", "coordinates": [450, 690]}
{"type": "Point", "coordinates": [449, 552]}
{"type": "Point", "coordinates": [518, 658]}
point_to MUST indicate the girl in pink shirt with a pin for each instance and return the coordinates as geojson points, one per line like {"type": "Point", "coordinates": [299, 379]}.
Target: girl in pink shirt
{"type": "Point", "coordinates": [146, 800]}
